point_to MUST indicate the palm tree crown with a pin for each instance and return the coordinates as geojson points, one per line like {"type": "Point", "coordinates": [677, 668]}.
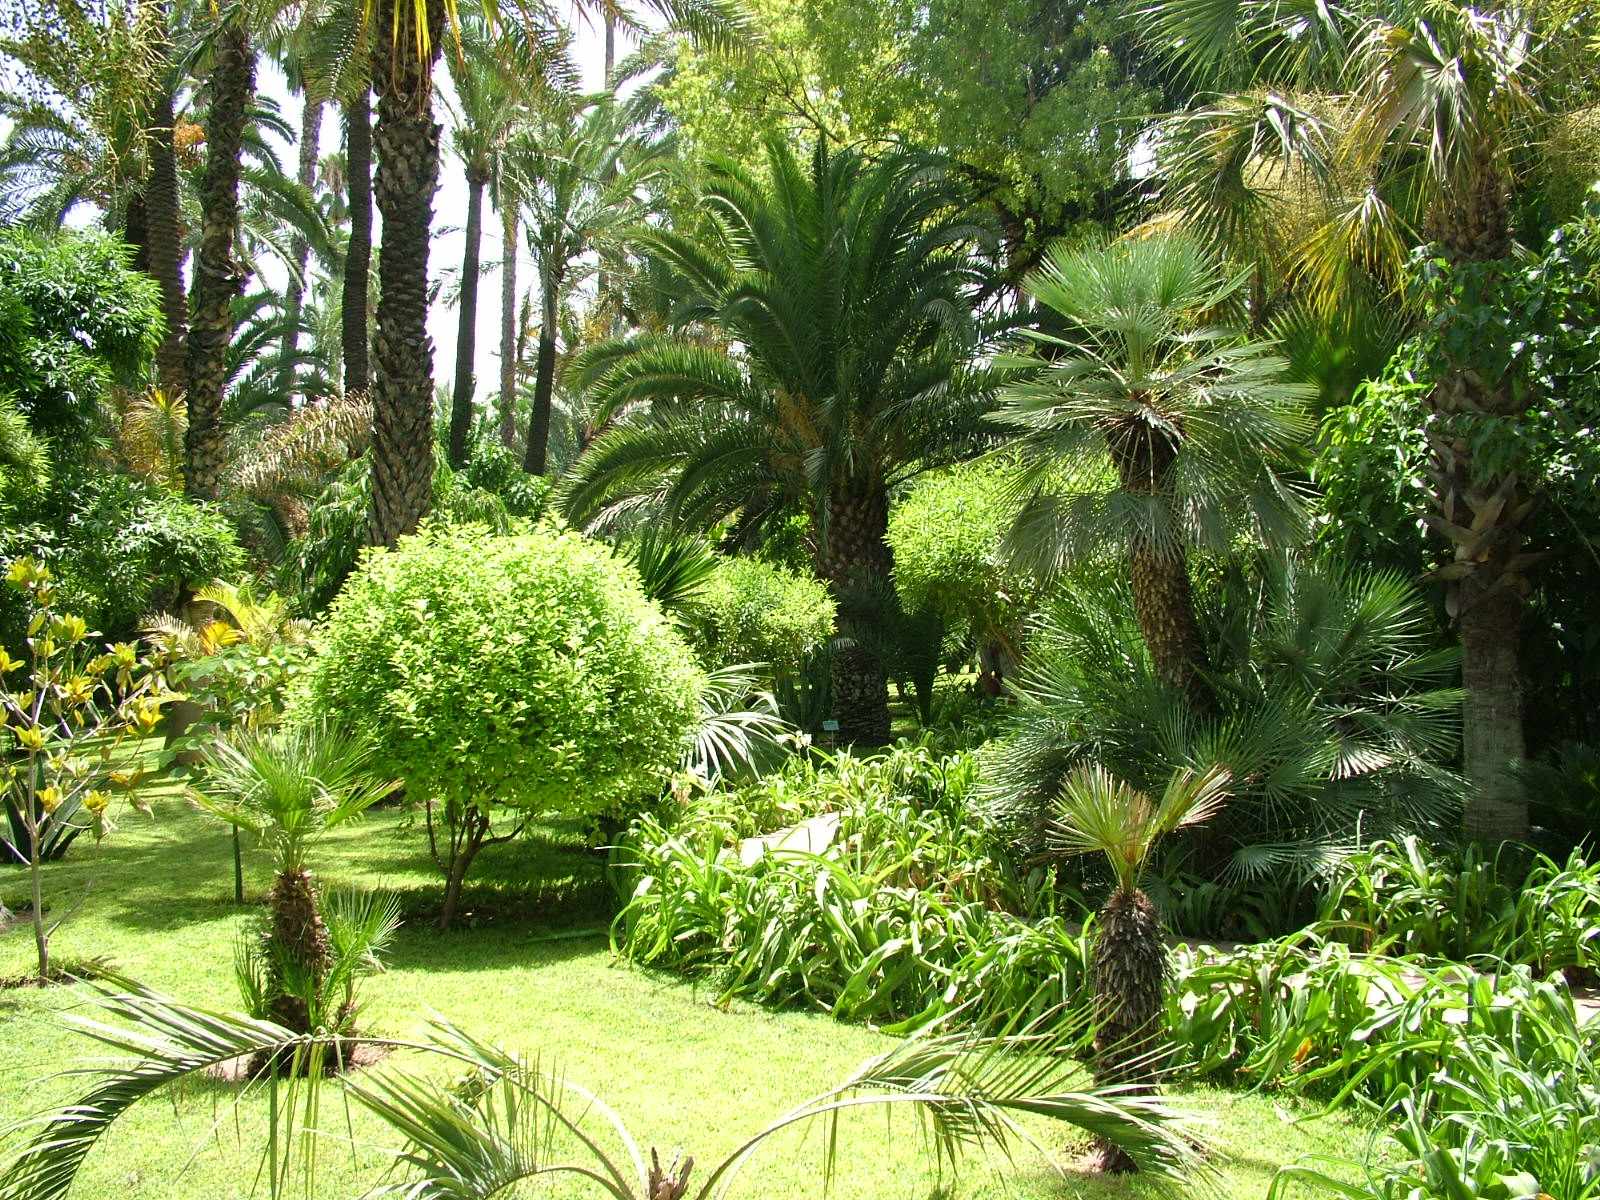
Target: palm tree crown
{"type": "Point", "coordinates": [823, 326]}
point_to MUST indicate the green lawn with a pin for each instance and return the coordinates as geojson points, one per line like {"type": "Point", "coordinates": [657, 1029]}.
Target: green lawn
{"type": "Point", "coordinates": [532, 972]}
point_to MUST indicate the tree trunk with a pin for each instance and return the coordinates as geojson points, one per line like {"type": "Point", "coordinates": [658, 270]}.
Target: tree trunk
{"type": "Point", "coordinates": [509, 344]}
{"type": "Point", "coordinates": [406, 139]}
{"type": "Point", "coordinates": [299, 249]}
{"type": "Point", "coordinates": [1130, 976]}
{"type": "Point", "coordinates": [535, 457]}
{"type": "Point", "coordinates": [1481, 516]}
{"type": "Point", "coordinates": [136, 232]}
{"type": "Point", "coordinates": [219, 278]}
{"type": "Point", "coordinates": [1163, 601]}
{"type": "Point", "coordinates": [358, 251]}
{"type": "Point", "coordinates": [855, 561]}
{"type": "Point", "coordinates": [299, 938]}
{"type": "Point", "coordinates": [467, 329]}
{"type": "Point", "coordinates": [166, 246]}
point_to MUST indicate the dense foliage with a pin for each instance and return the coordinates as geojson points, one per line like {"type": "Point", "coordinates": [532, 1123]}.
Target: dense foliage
{"type": "Point", "coordinates": [749, 611]}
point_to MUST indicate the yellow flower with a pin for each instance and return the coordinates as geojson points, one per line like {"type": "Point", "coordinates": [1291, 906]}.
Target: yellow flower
{"type": "Point", "coordinates": [22, 572]}
{"type": "Point", "coordinates": [96, 801]}
{"type": "Point", "coordinates": [69, 629]}
{"type": "Point", "coordinates": [31, 737]}
{"type": "Point", "coordinates": [79, 690]}
{"type": "Point", "coordinates": [50, 798]}
{"type": "Point", "coordinates": [7, 663]}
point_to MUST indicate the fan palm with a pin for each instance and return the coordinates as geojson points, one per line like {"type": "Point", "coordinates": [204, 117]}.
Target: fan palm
{"type": "Point", "coordinates": [825, 321]}
{"type": "Point", "coordinates": [1435, 115]}
{"type": "Point", "coordinates": [1096, 813]}
{"type": "Point", "coordinates": [289, 786]}
{"type": "Point", "coordinates": [509, 1125]}
{"type": "Point", "coordinates": [1147, 423]}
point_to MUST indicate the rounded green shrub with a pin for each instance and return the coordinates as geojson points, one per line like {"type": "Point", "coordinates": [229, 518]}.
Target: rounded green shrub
{"type": "Point", "coordinates": [753, 611]}
{"type": "Point", "coordinates": [949, 560]}
{"type": "Point", "coordinates": [526, 670]}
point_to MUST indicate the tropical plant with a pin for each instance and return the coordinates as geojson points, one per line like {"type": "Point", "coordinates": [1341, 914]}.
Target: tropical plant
{"type": "Point", "coordinates": [524, 673]}
{"type": "Point", "coordinates": [1334, 712]}
{"type": "Point", "coordinates": [508, 1121]}
{"type": "Point", "coordinates": [1146, 423]}
{"type": "Point", "coordinates": [289, 786]}
{"type": "Point", "coordinates": [72, 726]}
{"type": "Point", "coordinates": [864, 266]}
{"type": "Point", "coordinates": [751, 611]}
{"type": "Point", "coordinates": [1408, 121]}
{"type": "Point", "coordinates": [1098, 814]}
{"type": "Point", "coordinates": [582, 171]}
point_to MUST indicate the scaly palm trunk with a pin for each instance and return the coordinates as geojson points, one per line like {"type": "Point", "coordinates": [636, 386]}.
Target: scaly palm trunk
{"type": "Point", "coordinates": [300, 954]}
{"type": "Point", "coordinates": [1481, 515]}
{"type": "Point", "coordinates": [358, 251]}
{"type": "Point", "coordinates": [1130, 977]}
{"type": "Point", "coordinates": [467, 330]}
{"type": "Point", "coordinates": [406, 139]}
{"type": "Point", "coordinates": [299, 248]}
{"type": "Point", "coordinates": [509, 345]}
{"type": "Point", "coordinates": [136, 231]}
{"type": "Point", "coordinates": [855, 561]}
{"type": "Point", "coordinates": [219, 278]}
{"type": "Point", "coordinates": [166, 245]}
{"type": "Point", "coordinates": [535, 457]}
{"type": "Point", "coordinates": [1163, 601]}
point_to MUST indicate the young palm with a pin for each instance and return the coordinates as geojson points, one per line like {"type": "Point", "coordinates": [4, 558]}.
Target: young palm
{"type": "Point", "coordinates": [824, 322]}
{"type": "Point", "coordinates": [1098, 814]}
{"type": "Point", "coordinates": [289, 786]}
{"type": "Point", "coordinates": [1147, 423]}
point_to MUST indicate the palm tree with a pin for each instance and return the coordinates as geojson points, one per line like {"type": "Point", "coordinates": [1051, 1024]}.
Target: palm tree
{"type": "Point", "coordinates": [501, 1125]}
{"type": "Point", "coordinates": [1097, 814]}
{"type": "Point", "coordinates": [496, 73]}
{"type": "Point", "coordinates": [1145, 423]}
{"type": "Point", "coordinates": [1431, 116]}
{"type": "Point", "coordinates": [825, 318]}
{"type": "Point", "coordinates": [219, 276]}
{"type": "Point", "coordinates": [407, 143]}
{"type": "Point", "coordinates": [581, 175]}
{"type": "Point", "coordinates": [289, 786]}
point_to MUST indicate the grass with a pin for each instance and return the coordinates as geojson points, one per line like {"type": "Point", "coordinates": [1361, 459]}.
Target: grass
{"type": "Point", "coordinates": [529, 970]}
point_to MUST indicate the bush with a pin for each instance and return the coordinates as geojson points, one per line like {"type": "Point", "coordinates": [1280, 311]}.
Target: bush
{"type": "Point", "coordinates": [525, 671]}
{"type": "Point", "coordinates": [121, 548]}
{"type": "Point", "coordinates": [948, 539]}
{"type": "Point", "coordinates": [751, 611]}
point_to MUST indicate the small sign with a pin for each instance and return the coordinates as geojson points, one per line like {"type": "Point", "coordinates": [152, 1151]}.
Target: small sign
{"type": "Point", "coordinates": [830, 727]}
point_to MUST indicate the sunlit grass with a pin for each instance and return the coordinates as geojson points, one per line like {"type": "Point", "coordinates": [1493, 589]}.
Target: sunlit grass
{"type": "Point", "coordinates": [530, 970]}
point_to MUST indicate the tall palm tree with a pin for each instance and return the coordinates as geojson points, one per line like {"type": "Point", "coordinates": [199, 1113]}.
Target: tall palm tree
{"type": "Point", "coordinates": [219, 276]}
{"type": "Point", "coordinates": [1097, 814]}
{"type": "Point", "coordinates": [497, 71]}
{"type": "Point", "coordinates": [582, 173]}
{"type": "Point", "coordinates": [1432, 112]}
{"type": "Point", "coordinates": [289, 786]}
{"type": "Point", "coordinates": [1147, 423]}
{"type": "Point", "coordinates": [406, 138]}
{"type": "Point", "coordinates": [824, 324]}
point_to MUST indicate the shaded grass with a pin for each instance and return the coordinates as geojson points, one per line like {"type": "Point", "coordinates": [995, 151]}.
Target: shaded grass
{"type": "Point", "coordinates": [531, 971]}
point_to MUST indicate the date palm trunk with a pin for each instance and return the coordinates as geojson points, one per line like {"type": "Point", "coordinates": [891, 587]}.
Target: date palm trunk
{"type": "Point", "coordinates": [509, 344]}
{"type": "Point", "coordinates": [856, 563]}
{"type": "Point", "coordinates": [535, 457]}
{"type": "Point", "coordinates": [162, 213]}
{"type": "Point", "coordinates": [1163, 600]}
{"type": "Point", "coordinates": [406, 139]}
{"type": "Point", "coordinates": [1480, 513]}
{"type": "Point", "coordinates": [219, 277]}
{"type": "Point", "coordinates": [467, 329]}
{"type": "Point", "coordinates": [358, 251]}
{"type": "Point", "coordinates": [300, 943]}
{"type": "Point", "coordinates": [1130, 977]}
{"type": "Point", "coordinates": [299, 248]}
{"type": "Point", "coordinates": [136, 231]}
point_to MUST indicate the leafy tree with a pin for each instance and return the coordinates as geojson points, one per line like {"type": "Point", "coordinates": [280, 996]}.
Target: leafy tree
{"type": "Point", "coordinates": [1169, 427]}
{"type": "Point", "coordinates": [290, 786]}
{"type": "Point", "coordinates": [1096, 813]}
{"type": "Point", "coordinates": [525, 672]}
{"type": "Point", "coordinates": [823, 324]}
{"type": "Point", "coordinates": [750, 611]}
